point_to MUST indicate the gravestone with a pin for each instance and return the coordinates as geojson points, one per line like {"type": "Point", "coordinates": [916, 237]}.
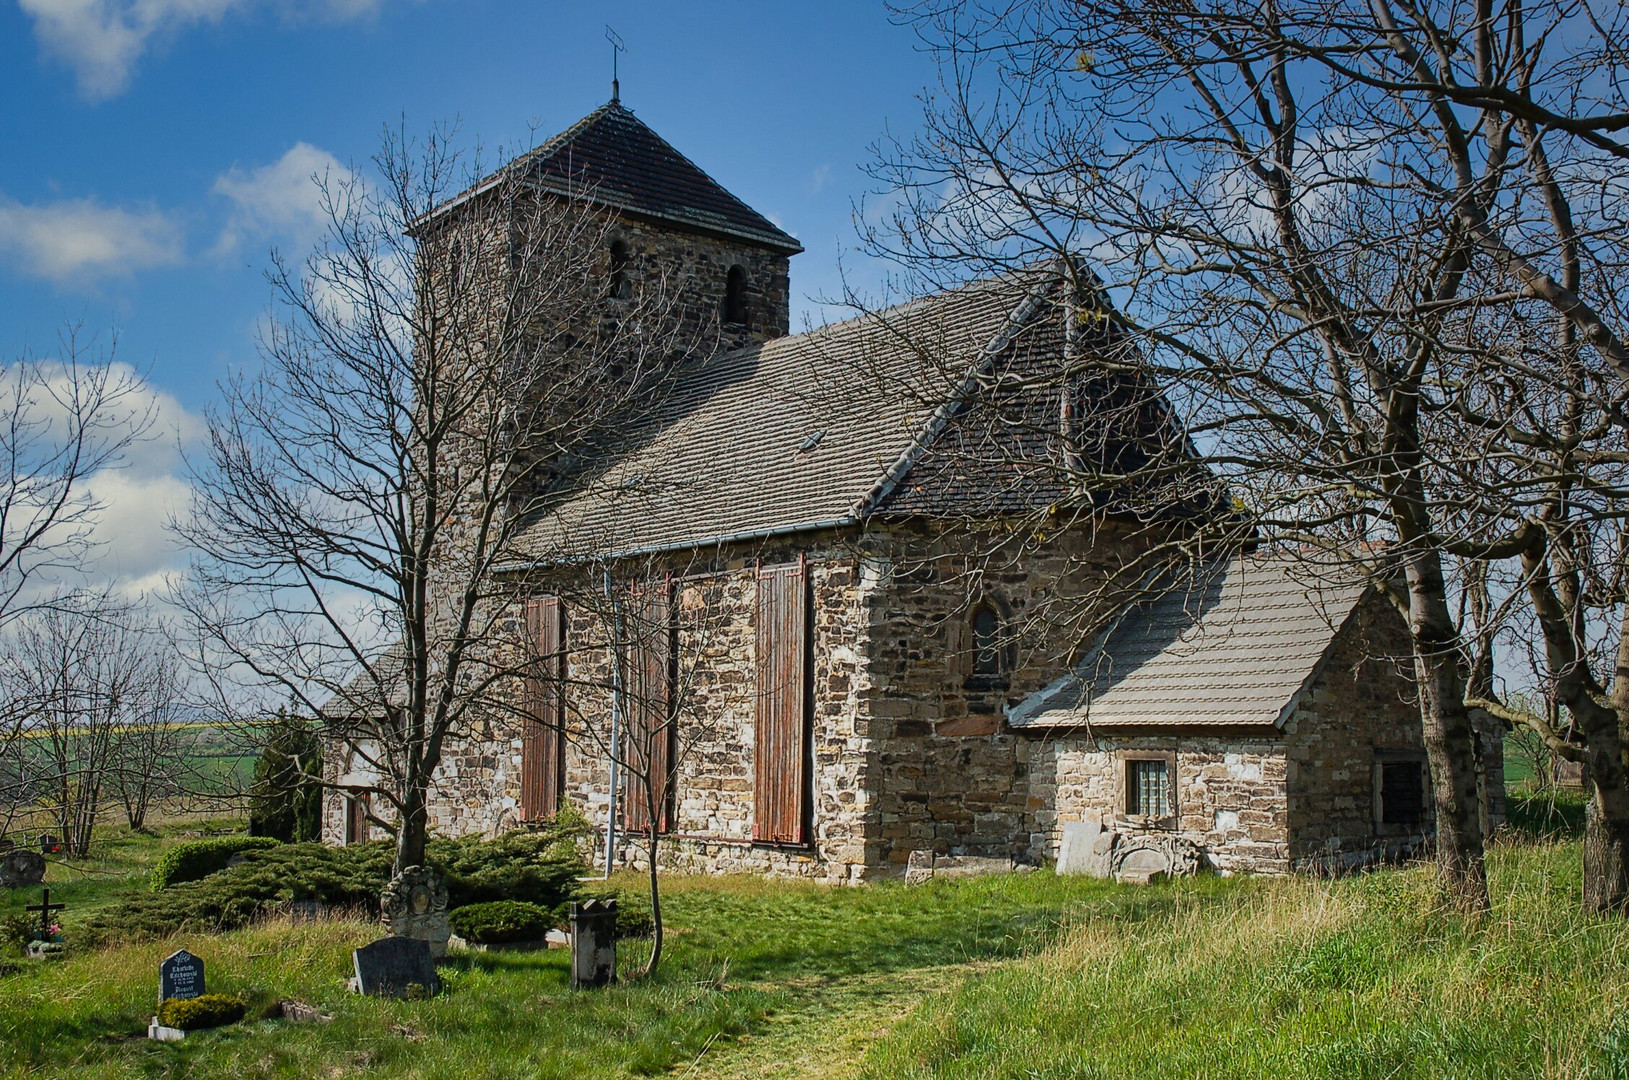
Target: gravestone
{"type": "Point", "coordinates": [50, 845]}
{"type": "Point", "coordinates": [21, 867]}
{"type": "Point", "coordinates": [1080, 852]}
{"type": "Point", "coordinates": [593, 944]}
{"type": "Point", "coordinates": [7, 846]}
{"type": "Point", "coordinates": [1145, 859]}
{"type": "Point", "coordinates": [391, 966]}
{"type": "Point", "coordinates": [415, 906]}
{"type": "Point", "coordinates": [180, 975]}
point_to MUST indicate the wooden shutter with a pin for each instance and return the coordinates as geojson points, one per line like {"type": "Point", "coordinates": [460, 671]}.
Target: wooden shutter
{"type": "Point", "coordinates": [648, 701]}
{"type": "Point", "coordinates": [543, 741]}
{"type": "Point", "coordinates": [782, 721]}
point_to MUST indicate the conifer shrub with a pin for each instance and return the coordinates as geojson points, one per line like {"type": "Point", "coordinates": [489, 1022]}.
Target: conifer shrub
{"type": "Point", "coordinates": [204, 1011]}
{"type": "Point", "coordinates": [634, 916]}
{"type": "Point", "coordinates": [286, 797]}
{"type": "Point", "coordinates": [538, 867]}
{"type": "Point", "coordinates": [197, 859]}
{"type": "Point", "coordinates": [498, 921]}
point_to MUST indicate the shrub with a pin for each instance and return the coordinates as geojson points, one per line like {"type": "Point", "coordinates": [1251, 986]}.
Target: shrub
{"type": "Point", "coordinates": [16, 930]}
{"type": "Point", "coordinates": [198, 859]}
{"type": "Point", "coordinates": [634, 916]}
{"type": "Point", "coordinates": [205, 1011]}
{"type": "Point", "coordinates": [287, 799]}
{"type": "Point", "coordinates": [540, 867]}
{"type": "Point", "coordinates": [501, 920]}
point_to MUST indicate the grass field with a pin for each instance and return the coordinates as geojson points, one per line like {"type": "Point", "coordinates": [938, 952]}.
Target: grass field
{"type": "Point", "coordinates": [1012, 976]}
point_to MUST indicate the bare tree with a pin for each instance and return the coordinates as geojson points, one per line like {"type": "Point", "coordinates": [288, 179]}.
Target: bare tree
{"type": "Point", "coordinates": [151, 763]}
{"type": "Point", "coordinates": [450, 346]}
{"type": "Point", "coordinates": [62, 421]}
{"type": "Point", "coordinates": [1312, 237]}
{"type": "Point", "coordinates": [82, 670]}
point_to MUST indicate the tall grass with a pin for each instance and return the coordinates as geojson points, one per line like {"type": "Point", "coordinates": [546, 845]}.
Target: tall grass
{"type": "Point", "coordinates": [1364, 977]}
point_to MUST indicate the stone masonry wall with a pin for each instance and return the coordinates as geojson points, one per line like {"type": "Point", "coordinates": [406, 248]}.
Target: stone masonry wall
{"type": "Point", "coordinates": [1360, 705]}
{"type": "Point", "coordinates": [1229, 793]}
{"type": "Point", "coordinates": [477, 787]}
{"type": "Point", "coordinates": [951, 776]}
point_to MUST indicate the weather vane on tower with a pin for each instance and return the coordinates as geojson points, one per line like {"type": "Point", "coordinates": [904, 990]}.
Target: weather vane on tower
{"type": "Point", "coordinates": [616, 47]}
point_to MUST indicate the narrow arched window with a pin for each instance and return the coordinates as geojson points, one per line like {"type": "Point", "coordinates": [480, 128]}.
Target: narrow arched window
{"type": "Point", "coordinates": [617, 286]}
{"type": "Point", "coordinates": [735, 296]}
{"type": "Point", "coordinates": [986, 642]}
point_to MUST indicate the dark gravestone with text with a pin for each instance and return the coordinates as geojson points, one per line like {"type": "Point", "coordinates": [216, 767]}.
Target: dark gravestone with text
{"type": "Point", "coordinates": [180, 975]}
{"type": "Point", "coordinates": [392, 966]}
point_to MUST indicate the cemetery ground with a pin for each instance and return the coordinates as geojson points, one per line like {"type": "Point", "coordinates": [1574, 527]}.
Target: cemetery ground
{"type": "Point", "coordinates": [1017, 975]}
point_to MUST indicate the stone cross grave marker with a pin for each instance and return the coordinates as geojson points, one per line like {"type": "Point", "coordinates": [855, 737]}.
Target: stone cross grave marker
{"type": "Point", "coordinates": [45, 908]}
{"type": "Point", "coordinates": [390, 966]}
{"type": "Point", "coordinates": [180, 975]}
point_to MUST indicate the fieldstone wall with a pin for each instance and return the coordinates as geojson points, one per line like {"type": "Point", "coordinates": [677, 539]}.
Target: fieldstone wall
{"type": "Point", "coordinates": [1361, 704]}
{"type": "Point", "coordinates": [1229, 792]}
{"type": "Point", "coordinates": [951, 776]}
{"type": "Point", "coordinates": [477, 788]}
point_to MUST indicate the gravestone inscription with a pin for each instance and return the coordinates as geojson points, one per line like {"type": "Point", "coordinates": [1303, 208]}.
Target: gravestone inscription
{"type": "Point", "coordinates": [392, 966]}
{"type": "Point", "coordinates": [180, 975]}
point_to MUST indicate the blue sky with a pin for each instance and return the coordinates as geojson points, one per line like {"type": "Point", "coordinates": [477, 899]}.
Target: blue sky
{"type": "Point", "coordinates": [152, 151]}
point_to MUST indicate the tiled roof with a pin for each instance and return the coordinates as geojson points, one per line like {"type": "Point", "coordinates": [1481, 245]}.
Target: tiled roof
{"type": "Point", "coordinates": [1237, 644]}
{"type": "Point", "coordinates": [796, 433]}
{"type": "Point", "coordinates": [618, 161]}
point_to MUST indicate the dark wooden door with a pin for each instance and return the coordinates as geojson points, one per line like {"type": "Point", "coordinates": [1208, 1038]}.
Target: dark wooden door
{"type": "Point", "coordinates": [543, 741]}
{"type": "Point", "coordinates": [781, 736]}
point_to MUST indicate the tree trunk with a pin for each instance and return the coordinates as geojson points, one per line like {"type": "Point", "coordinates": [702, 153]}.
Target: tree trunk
{"type": "Point", "coordinates": [1606, 849]}
{"type": "Point", "coordinates": [412, 830]}
{"type": "Point", "coordinates": [655, 906]}
{"type": "Point", "coordinates": [1449, 736]}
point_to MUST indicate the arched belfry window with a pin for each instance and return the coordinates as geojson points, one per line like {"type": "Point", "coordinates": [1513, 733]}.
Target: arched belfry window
{"type": "Point", "coordinates": [621, 255]}
{"type": "Point", "coordinates": [989, 653]}
{"type": "Point", "coordinates": [735, 295]}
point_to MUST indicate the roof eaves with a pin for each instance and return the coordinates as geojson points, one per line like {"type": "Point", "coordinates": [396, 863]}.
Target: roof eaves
{"type": "Point", "coordinates": [782, 242]}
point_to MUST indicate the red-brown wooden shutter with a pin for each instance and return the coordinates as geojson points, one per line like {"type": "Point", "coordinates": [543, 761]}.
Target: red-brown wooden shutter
{"type": "Point", "coordinates": [648, 698]}
{"type": "Point", "coordinates": [542, 754]}
{"type": "Point", "coordinates": [782, 722]}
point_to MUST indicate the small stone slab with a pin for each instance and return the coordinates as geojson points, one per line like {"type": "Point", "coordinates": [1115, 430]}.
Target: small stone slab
{"type": "Point", "coordinates": [1142, 877]}
{"type": "Point", "coordinates": [925, 865]}
{"type": "Point", "coordinates": [159, 1033]}
{"type": "Point", "coordinates": [298, 1012]}
{"type": "Point", "coordinates": [1079, 854]}
{"type": "Point", "coordinates": [180, 975]}
{"type": "Point", "coordinates": [46, 950]}
{"type": "Point", "coordinates": [390, 966]}
{"type": "Point", "coordinates": [593, 944]}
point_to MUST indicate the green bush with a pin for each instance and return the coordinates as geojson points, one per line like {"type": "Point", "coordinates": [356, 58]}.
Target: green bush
{"type": "Point", "coordinates": [634, 916]}
{"type": "Point", "coordinates": [540, 867]}
{"type": "Point", "coordinates": [197, 859]}
{"type": "Point", "coordinates": [498, 921]}
{"type": "Point", "coordinates": [286, 797]}
{"type": "Point", "coordinates": [204, 1011]}
{"type": "Point", "coordinates": [16, 931]}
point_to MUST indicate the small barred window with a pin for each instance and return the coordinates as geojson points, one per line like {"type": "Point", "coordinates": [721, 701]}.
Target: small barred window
{"type": "Point", "coordinates": [1148, 788]}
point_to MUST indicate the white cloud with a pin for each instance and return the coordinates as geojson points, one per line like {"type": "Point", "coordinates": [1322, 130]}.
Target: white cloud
{"type": "Point", "coordinates": [132, 549]}
{"type": "Point", "coordinates": [101, 40]}
{"type": "Point", "coordinates": [282, 200]}
{"type": "Point", "coordinates": [79, 239]}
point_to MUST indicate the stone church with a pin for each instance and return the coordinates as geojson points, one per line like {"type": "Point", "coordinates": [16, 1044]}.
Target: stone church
{"type": "Point", "coordinates": [900, 666]}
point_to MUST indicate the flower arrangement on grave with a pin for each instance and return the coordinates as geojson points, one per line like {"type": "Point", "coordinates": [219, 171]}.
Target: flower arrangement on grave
{"type": "Point", "coordinates": [49, 934]}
